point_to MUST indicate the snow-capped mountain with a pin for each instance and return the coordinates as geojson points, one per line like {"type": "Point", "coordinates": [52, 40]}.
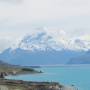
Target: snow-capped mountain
{"type": "Point", "coordinates": [45, 48]}
{"type": "Point", "coordinates": [51, 40]}
{"type": "Point", "coordinates": [79, 44]}
{"type": "Point", "coordinates": [43, 41]}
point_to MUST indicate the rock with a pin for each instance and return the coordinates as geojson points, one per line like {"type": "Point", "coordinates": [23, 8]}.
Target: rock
{"type": "Point", "coordinates": [2, 75]}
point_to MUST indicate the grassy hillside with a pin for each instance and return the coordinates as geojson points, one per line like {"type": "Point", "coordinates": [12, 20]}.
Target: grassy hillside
{"type": "Point", "coordinates": [8, 69]}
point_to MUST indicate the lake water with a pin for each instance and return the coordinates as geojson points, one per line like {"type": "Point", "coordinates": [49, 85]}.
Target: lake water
{"type": "Point", "coordinates": [67, 75]}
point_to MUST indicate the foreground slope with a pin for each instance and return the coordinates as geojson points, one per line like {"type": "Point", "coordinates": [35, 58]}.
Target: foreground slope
{"type": "Point", "coordinates": [8, 69]}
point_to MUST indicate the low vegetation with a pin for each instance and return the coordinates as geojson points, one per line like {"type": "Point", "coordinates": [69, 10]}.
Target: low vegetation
{"type": "Point", "coordinates": [8, 69]}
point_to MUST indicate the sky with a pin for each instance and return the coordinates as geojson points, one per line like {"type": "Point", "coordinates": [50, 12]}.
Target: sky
{"type": "Point", "coordinates": [18, 17]}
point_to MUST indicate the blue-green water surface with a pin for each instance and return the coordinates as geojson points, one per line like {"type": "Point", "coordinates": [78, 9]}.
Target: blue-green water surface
{"type": "Point", "coordinates": [67, 75]}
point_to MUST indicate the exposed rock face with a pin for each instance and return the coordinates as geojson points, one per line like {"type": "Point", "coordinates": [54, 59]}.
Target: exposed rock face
{"type": "Point", "coordinates": [3, 74]}
{"type": "Point", "coordinates": [6, 84]}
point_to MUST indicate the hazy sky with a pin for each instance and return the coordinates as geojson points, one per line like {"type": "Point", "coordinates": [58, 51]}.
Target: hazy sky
{"type": "Point", "coordinates": [20, 16]}
{"type": "Point", "coordinates": [24, 14]}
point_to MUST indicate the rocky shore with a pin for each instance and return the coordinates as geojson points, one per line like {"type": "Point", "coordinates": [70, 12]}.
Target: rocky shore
{"type": "Point", "coordinates": [6, 84]}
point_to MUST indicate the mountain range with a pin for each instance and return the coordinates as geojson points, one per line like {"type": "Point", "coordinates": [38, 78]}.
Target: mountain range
{"type": "Point", "coordinates": [45, 40]}
{"type": "Point", "coordinates": [42, 48]}
{"type": "Point", "coordinates": [82, 59]}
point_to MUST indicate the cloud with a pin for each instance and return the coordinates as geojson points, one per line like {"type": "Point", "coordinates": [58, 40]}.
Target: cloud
{"type": "Point", "coordinates": [11, 1]}
{"type": "Point", "coordinates": [33, 10]}
{"type": "Point", "coordinates": [4, 44]}
{"type": "Point", "coordinates": [39, 11]}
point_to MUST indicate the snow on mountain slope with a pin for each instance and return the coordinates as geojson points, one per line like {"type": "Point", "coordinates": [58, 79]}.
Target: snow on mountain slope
{"type": "Point", "coordinates": [80, 44]}
{"type": "Point", "coordinates": [45, 47]}
{"type": "Point", "coordinates": [43, 40]}
{"type": "Point", "coordinates": [51, 40]}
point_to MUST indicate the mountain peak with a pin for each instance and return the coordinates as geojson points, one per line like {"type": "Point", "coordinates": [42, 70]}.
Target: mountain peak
{"type": "Point", "coordinates": [40, 41]}
{"type": "Point", "coordinates": [57, 40]}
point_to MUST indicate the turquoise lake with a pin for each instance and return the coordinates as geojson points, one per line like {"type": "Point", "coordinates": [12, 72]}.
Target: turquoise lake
{"type": "Point", "coordinates": [67, 75]}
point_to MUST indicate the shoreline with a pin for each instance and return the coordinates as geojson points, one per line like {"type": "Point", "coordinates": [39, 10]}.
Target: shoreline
{"type": "Point", "coordinates": [7, 84]}
{"type": "Point", "coordinates": [63, 65]}
{"type": "Point", "coordinates": [11, 84]}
